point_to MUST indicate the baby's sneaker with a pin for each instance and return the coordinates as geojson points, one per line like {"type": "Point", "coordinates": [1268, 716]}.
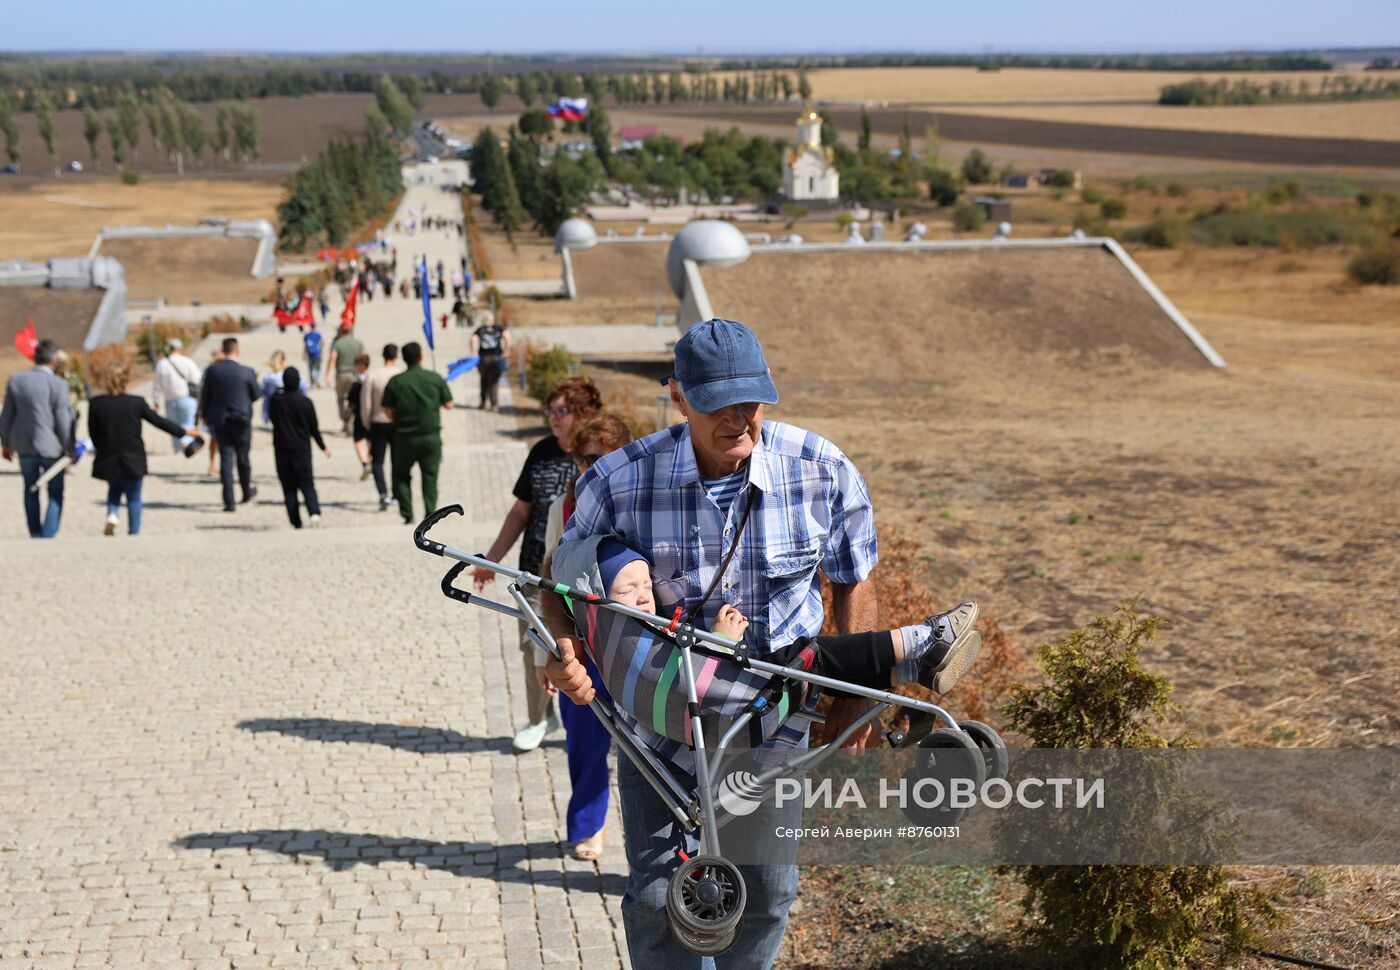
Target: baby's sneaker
{"type": "Point", "coordinates": [954, 649]}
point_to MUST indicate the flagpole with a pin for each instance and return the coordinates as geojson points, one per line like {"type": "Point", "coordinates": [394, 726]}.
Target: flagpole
{"type": "Point", "coordinates": [428, 311]}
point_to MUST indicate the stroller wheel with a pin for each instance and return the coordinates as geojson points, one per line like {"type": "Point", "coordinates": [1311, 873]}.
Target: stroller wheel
{"type": "Point", "coordinates": [704, 904]}
{"type": "Point", "coordinates": [993, 747]}
{"type": "Point", "coordinates": [950, 758]}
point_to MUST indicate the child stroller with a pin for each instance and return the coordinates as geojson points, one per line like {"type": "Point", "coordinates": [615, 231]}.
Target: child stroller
{"type": "Point", "coordinates": [706, 897]}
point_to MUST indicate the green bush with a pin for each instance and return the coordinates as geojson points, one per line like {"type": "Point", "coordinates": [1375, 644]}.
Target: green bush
{"type": "Point", "coordinates": [1113, 208]}
{"type": "Point", "coordinates": [1161, 233]}
{"type": "Point", "coordinates": [1378, 265]}
{"type": "Point", "coordinates": [943, 186]}
{"type": "Point", "coordinates": [1062, 178]}
{"type": "Point", "coordinates": [1092, 196]}
{"type": "Point", "coordinates": [1092, 224]}
{"type": "Point", "coordinates": [1176, 189]}
{"type": "Point", "coordinates": [1283, 192]}
{"type": "Point", "coordinates": [545, 369]}
{"type": "Point", "coordinates": [969, 217]}
{"type": "Point", "coordinates": [1224, 226]}
{"type": "Point", "coordinates": [129, 177]}
{"type": "Point", "coordinates": [1096, 694]}
{"type": "Point", "coordinates": [976, 168]}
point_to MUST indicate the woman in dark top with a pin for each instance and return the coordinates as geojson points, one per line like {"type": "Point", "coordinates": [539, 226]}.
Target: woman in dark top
{"type": "Point", "coordinates": [119, 455]}
{"type": "Point", "coordinates": [294, 427]}
{"type": "Point", "coordinates": [545, 477]}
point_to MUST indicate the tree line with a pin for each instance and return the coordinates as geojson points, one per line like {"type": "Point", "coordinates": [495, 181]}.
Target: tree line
{"type": "Point", "coordinates": [176, 130]}
{"type": "Point", "coordinates": [1244, 91]}
{"type": "Point", "coordinates": [350, 183]}
{"type": "Point", "coordinates": [530, 181]}
{"type": "Point", "coordinates": [103, 85]}
{"type": "Point", "coordinates": [1074, 62]}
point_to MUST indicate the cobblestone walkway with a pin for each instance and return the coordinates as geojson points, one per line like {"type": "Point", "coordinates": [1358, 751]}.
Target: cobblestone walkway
{"type": "Point", "coordinates": [231, 744]}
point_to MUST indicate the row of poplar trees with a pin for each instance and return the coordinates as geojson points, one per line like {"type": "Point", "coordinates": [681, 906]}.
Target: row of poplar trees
{"type": "Point", "coordinates": [177, 132]}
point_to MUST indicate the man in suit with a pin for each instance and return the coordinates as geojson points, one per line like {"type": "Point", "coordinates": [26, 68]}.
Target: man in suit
{"type": "Point", "coordinates": [37, 424]}
{"type": "Point", "coordinates": [226, 397]}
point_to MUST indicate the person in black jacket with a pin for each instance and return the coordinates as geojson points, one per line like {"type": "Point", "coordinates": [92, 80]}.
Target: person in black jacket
{"type": "Point", "coordinates": [114, 424]}
{"type": "Point", "coordinates": [226, 397]}
{"type": "Point", "coordinates": [294, 427]}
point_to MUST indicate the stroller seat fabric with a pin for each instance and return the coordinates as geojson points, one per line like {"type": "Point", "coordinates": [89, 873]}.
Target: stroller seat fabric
{"type": "Point", "coordinates": [641, 667]}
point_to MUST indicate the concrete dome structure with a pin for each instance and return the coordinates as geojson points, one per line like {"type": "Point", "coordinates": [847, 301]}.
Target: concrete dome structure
{"type": "Point", "coordinates": [709, 242]}
{"type": "Point", "coordinates": [575, 233]}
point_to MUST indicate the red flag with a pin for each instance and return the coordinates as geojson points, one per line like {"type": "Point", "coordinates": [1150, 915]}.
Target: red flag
{"type": "Point", "coordinates": [347, 316]}
{"type": "Point", "coordinates": [26, 340]}
{"type": "Point", "coordinates": [301, 316]}
{"type": "Point", "coordinates": [282, 315]}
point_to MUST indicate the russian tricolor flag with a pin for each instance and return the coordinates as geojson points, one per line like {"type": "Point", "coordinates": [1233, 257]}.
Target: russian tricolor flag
{"type": "Point", "coordinates": [569, 109]}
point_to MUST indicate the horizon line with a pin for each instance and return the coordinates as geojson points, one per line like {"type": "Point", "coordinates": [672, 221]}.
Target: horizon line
{"type": "Point", "coordinates": [701, 53]}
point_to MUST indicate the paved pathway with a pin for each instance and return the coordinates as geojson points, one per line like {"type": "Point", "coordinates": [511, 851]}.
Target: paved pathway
{"type": "Point", "coordinates": [231, 744]}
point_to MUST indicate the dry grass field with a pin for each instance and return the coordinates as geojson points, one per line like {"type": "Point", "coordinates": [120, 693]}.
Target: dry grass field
{"type": "Point", "coordinates": [1372, 120]}
{"type": "Point", "coordinates": [52, 217]}
{"type": "Point", "coordinates": [948, 86]}
{"type": "Point", "coordinates": [183, 270]}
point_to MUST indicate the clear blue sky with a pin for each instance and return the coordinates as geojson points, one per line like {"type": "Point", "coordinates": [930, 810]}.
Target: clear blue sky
{"type": "Point", "coordinates": [714, 26]}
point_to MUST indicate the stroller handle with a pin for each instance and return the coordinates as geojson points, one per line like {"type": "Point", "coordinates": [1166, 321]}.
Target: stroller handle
{"type": "Point", "coordinates": [421, 540]}
{"type": "Point", "coordinates": [420, 534]}
{"type": "Point", "coordinates": [451, 591]}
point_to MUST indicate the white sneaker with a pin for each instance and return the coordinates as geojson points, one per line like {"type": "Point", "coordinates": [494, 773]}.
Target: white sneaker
{"type": "Point", "coordinates": [110, 529]}
{"type": "Point", "coordinates": [315, 522]}
{"type": "Point", "coordinates": [529, 737]}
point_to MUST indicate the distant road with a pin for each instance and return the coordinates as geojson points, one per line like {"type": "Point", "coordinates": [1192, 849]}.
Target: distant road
{"type": "Point", "coordinates": [1261, 149]}
{"type": "Point", "coordinates": [425, 143]}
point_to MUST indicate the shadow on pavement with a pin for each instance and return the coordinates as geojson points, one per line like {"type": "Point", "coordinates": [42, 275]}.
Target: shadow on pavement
{"type": "Point", "coordinates": [419, 740]}
{"type": "Point", "coordinates": [345, 850]}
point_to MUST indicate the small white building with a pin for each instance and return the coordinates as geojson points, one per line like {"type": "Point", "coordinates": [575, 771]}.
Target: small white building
{"type": "Point", "coordinates": [809, 169]}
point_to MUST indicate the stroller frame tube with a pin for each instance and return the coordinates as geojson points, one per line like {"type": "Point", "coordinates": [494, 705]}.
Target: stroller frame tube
{"type": "Point", "coordinates": [709, 831]}
{"type": "Point", "coordinates": [720, 643]}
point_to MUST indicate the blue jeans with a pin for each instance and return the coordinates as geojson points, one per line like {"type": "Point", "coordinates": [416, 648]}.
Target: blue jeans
{"type": "Point", "coordinates": [181, 411]}
{"type": "Point", "coordinates": [131, 488]}
{"type": "Point", "coordinates": [650, 833]}
{"type": "Point", "coordinates": [586, 742]}
{"type": "Point", "coordinates": [30, 468]}
{"type": "Point", "coordinates": [313, 371]}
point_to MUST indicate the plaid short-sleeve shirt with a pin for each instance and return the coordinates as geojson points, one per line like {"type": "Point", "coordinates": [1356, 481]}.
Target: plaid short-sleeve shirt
{"type": "Point", "coordinates": [812, 512]}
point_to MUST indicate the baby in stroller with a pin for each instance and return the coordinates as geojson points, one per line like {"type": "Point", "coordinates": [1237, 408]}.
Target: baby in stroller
{"type": "Point", "coordinates": [635, 664]}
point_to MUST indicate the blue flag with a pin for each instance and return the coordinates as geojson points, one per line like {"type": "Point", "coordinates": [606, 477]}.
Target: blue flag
{"type": "Point", "coordinates": [427, 306]}
{"type": "Point", "coordinates": [459, 367]}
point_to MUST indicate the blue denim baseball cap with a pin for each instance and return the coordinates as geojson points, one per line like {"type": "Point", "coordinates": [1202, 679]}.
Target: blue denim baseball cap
{"type": "Point", "coordinates": [720, 363]}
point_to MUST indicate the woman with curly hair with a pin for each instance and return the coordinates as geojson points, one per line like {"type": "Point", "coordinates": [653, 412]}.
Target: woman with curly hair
{"type": "Point", "coordinates": [545, 477]}
{"type": "Point", "coordinates": [586, 741]}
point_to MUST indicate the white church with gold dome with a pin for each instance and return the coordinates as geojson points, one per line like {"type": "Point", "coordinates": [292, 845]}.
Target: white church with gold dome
{"type": "Point", "coordinates": [809, 167]}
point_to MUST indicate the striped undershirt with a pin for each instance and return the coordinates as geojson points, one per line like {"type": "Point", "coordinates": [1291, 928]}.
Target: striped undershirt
{"type": "Point", "coordinates": [723, 489]}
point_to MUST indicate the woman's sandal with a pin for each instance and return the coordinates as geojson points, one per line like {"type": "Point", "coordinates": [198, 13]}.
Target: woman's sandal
{"type": "Point", "coordinates": [591, 848]}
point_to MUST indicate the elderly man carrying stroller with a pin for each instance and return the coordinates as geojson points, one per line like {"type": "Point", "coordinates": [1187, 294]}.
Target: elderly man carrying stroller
{"type": "Point", "coordinates": [789, 505]}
